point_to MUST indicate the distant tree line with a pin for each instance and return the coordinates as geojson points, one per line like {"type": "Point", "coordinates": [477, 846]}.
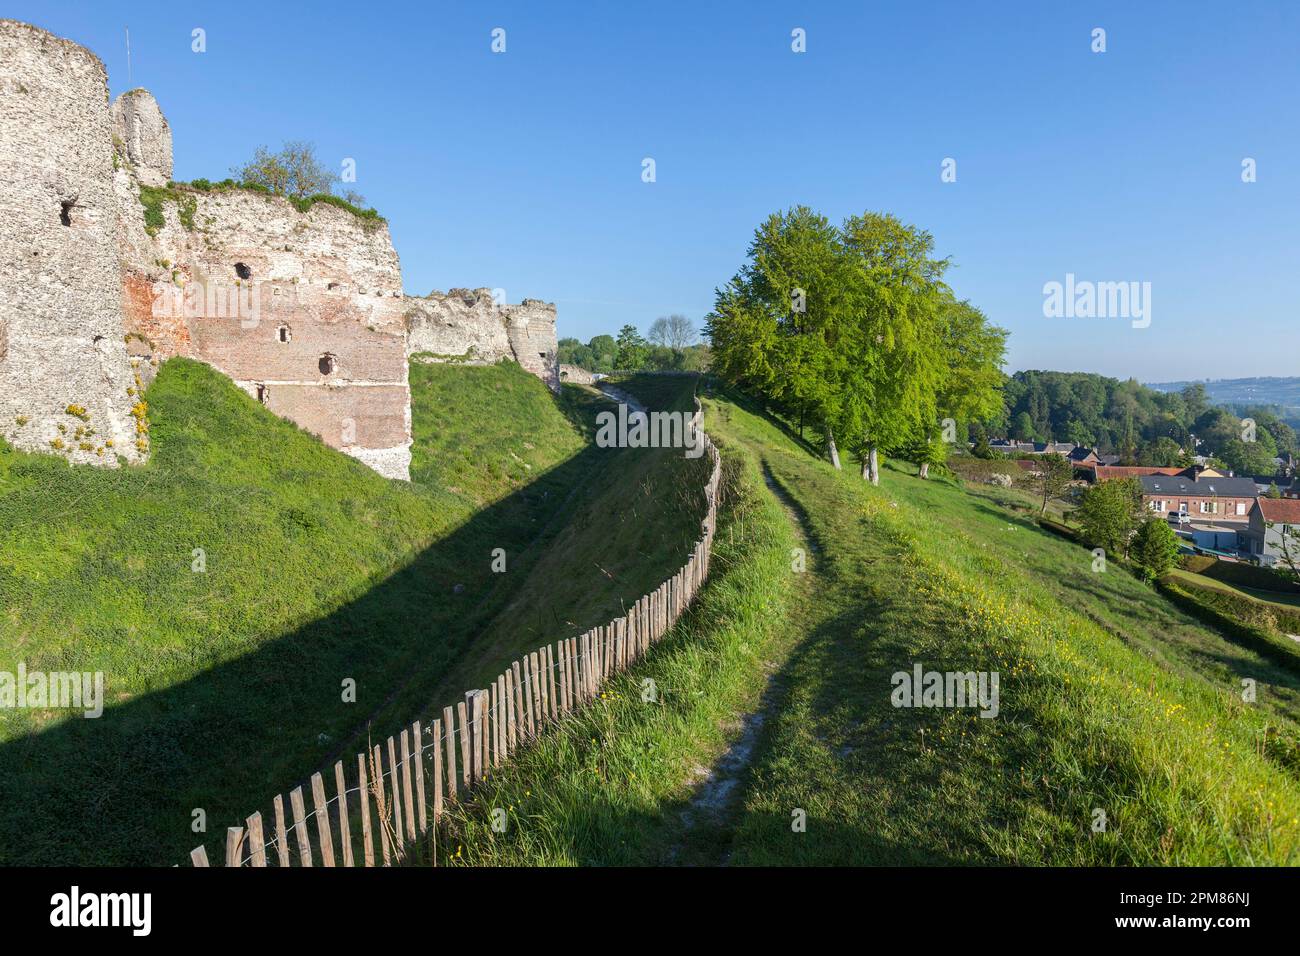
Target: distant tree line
{"type": "Point", "coordinates": [671, 346]}
{"type": "Point", "coordinates": [1141, 425]}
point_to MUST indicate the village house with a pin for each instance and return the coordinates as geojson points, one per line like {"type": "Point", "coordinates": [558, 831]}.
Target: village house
{"type": "Point", "coordinates": [1096, 473]}
{"type": "Point", "coordinates": [1009, 446]}
{"type": "Point", "coordinates": [1200, 493]}
{"type": "Point", "coordinates": [1273, 531]}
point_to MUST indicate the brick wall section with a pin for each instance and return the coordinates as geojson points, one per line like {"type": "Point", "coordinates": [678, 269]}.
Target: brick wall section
{"type": "Point", "coordinates": [266, 293]}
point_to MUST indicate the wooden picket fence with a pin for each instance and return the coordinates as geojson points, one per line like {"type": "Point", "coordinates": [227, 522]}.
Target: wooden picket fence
{"type": "Point", "coordinates": [399, 787]}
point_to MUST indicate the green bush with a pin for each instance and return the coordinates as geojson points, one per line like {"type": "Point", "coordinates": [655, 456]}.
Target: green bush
{"type": "Point", "coordinates": [1154, 550]}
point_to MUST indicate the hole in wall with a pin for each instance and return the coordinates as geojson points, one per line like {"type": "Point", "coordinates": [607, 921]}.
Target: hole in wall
{"type": "Point", "coordinates": [332, 285]}
{"type": "Point", "coordinates": [284, 334]}
{"type": "Point", "coordinates": [65, 212]}
{"type": "Point", "coordinates": [242, 271]}
{"type": "Point", "coordinates": [328, 364]}
{"type": "Point", "coordinates": [263, 393]}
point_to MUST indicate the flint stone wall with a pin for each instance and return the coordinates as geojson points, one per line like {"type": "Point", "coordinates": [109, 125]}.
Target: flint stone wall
{"type": "Point", "coordinates": [61, 328]}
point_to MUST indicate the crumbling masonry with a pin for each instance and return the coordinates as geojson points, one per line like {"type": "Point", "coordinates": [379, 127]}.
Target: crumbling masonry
{"type": "Point", "coordinates": [109, 269]}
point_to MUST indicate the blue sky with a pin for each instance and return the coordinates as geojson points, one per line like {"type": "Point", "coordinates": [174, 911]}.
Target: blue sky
{"type": "Point", "coordinates": [522, 170]}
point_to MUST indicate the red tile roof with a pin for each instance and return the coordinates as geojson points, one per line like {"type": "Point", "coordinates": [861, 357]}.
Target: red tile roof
{"type": "Point", "coordinates": [1131, 471]}
{"type": "Point", "coordinates": [1281, 510]}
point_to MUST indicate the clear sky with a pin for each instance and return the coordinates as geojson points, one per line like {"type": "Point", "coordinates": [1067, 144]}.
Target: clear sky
{"type": "Point", "coordinates": [523, 170]}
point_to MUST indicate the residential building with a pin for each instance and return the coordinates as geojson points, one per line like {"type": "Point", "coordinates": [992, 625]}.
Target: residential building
{"type": "Point", "coordinates": [1274, 529]}
{"type": "Point", "coordinates": [1204, 495]}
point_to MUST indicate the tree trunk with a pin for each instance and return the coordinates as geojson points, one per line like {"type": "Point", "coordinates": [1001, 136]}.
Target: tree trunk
{"type": "Point", "coordinates": [925, 469]}
{"type": "Point", "coordinates": [830, 446]}
{"type": "Point", "coordinates": [873, 463]}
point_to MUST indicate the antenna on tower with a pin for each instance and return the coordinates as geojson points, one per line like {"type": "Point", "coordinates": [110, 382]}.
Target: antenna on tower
{"type": "Point", "coordinates": [128, 56]}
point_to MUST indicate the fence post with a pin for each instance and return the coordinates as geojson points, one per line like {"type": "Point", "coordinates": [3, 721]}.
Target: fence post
{"type": "Point", "coordinates": [550, 683]}
{"type": "Point", "coordinates": [520, 718]}
{"type": "Point", "coordinates": [418, 737]}
{"type": "Point", "coordinates": [474, 702]}
{"type": "Point", "coordinates": [256, 842]}
{"type": "Point", "coordinates": [408, 801]}
{"type": "Point", "coordinates": [436, 729]}
{"type": "Point", "coordinates": [322, 820]}
{"type": "Point", "coordinates": [300, 826]}
{"type": "Point", "coordinates": [466, 748]}
{"type": "Point", "coordinates": [511, 739]}
{"type": "Point", "coordinates": [367, 835]}
{"type": "Point", "coordinates": [399, 843]}
{"type": "Point", "coordinates": [345, 825]}
{"type": "Point", "coordinates": [449, 731]}
{"type": "Point", "coordinates": [281, 835]}
{"type": "Point", "coordinates": [563, 656]}
{"type": "Point", "coordinates": [381, 804]}
{"type": "Point", "coordinates": [234, 845]}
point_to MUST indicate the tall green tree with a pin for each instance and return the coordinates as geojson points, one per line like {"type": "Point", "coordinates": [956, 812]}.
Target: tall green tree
{"type": "Point", "coordinates": [1053, 479]}
{"type": "Point", "coordinates": [633, 350]}
{"type": "Point", "coordinates": [1155, 549]}
{"type": "Point", "coordinates": [890, 343]}
{"type": "Point", "coordinates": [1110, 513]}
{"type": "Point", "coordinates": [972, 352]}
{"type": "Point", "coordinates": [775, 327]}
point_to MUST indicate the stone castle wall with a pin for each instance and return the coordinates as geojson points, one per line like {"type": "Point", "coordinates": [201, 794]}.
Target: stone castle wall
{"type": "Point", "coordinates": [61, 328]}
{"type": "Point", "coordinates": [469, 326]}
{"type": "Point", "coordinates": [303, 310]}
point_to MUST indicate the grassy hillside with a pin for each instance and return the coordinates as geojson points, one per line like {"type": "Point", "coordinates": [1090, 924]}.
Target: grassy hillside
{"type": "Point", "coordinates": [632, 526]}
{"type": "Point", "coordinates": [1111, 699]}
{"type": "Point", "coordinates": [228, 683]}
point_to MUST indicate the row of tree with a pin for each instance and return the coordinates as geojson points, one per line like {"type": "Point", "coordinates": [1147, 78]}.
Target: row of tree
{"type": "Point", "coordinates": [672, 345]}
{"type": "Point", "coordinates": [851, 329]}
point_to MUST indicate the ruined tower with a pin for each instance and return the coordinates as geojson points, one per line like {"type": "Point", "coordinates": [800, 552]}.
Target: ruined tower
{"type": "Point", "coordinates": [109, 268]}
{"type": "Point", "coordinates": [63, 361]}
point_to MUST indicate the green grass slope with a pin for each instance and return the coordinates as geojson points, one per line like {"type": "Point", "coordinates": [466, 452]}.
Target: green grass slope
{"type": "Point", "coordinates": [632, 526]}
{"type": "Point", "coordinates": [228, 684]}
{"type": "Point", "coordinates": [1111, 700]}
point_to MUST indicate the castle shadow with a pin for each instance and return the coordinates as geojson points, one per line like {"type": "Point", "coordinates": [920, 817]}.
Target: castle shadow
{"type": "Point", "coordinates": [129, 787]}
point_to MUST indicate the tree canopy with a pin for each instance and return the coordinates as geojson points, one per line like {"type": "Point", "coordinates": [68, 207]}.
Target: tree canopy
{"type": "Point", "coordinates": [853, 329]}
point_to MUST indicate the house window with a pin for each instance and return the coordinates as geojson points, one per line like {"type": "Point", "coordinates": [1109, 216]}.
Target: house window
{"type": "Point", "coordinates": [1241, 507]}
{"type": "Point", "coordinates": [284, 334]}
{"type": "Point", "coordinates": [263, 395]}
{"type": "Point", "coordinates": [1158, 505]}
{"type": "Point", "coordinates": [1209, 507]}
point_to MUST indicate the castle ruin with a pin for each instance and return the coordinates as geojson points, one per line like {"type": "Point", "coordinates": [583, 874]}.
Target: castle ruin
{"type": "Point", "coordinates": [111, 268]}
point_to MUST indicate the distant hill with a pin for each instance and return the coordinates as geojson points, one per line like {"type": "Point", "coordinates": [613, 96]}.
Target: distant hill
{"type": "Point", "coordinates": [1244, 391]}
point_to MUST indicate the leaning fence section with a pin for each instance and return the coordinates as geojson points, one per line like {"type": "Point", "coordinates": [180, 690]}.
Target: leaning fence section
{"type": "Point", "coordinates": [394, 791]}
